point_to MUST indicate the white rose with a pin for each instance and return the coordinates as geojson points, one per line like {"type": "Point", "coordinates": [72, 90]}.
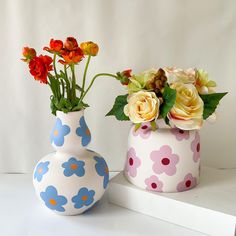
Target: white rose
{"type": "Point", "coordinates": [142, 107]}
{"type": "Point", "coordinates": [187, 112]}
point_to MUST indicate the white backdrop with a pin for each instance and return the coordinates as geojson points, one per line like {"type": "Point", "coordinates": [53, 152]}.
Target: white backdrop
{"type": "Point", "coordinates": [137, 34]}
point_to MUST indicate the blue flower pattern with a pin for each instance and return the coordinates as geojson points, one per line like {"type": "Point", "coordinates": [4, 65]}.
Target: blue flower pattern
{"type": "Point", "coordinates": [40, 170]}
{"type": "Point", "coordinates": [59, 132]}
{"type": "Point", "coordinates": [83, 132]}
{"type": "Point", "coordinates": [72, 166]}
{"type": "Point", "coordinates": [53, 200]}
{"type": "Point", "coordinates": [83, 198]}
{"type": "Point", "coordinates": [102, 170]}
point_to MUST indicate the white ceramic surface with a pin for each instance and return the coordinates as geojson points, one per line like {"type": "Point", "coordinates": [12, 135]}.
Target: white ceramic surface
{"type": "Point", "coordinates": [73, 179]}
{"type": "Point", "coordinates": [165, 160]}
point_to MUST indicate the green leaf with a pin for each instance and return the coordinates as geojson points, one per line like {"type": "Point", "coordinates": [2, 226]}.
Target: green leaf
{"type": "Point", "coordinates": [118, 108]}
{"type": "Point", "coordinates": [52, 105]}
{"type": "Point", "coordinates": [211, 102]}
{"type": "Point", "coordinates": [80, 106]}
{"type": "Point", "coordinates": [137, 126]}
{"type": "Point", "coordinates": [153, 125]}
{"type": "Point", "coordinates": [64, 105]}
{"type": "Point", "coordinates": [167, 121]}
{"type": "Point", "coordinates": [169, 96]}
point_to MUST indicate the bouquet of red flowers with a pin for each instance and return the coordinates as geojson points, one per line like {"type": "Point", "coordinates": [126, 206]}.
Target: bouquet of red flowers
{"type": "Point", "coordinates": [58, 72]}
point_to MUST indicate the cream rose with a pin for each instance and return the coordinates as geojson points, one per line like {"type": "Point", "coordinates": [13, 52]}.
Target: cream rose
{"type": "Point", "coordinates": [187, 112]}
{"type": "Point", "coordinates": [142, 106]}
{"type": "Point", "coordinates": [174, 75]}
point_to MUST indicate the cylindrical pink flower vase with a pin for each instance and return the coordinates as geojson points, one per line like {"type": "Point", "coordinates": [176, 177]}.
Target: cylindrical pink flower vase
{"type": "Point", "coordinates": [165, 160]}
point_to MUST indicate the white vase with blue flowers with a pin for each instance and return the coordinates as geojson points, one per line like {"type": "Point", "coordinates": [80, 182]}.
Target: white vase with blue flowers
{"type": "Point", "coordinates": [71, 180]}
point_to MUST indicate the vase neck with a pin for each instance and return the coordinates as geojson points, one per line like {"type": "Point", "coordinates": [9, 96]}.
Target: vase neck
{"type": "Point", "coordinates": [70, 132]}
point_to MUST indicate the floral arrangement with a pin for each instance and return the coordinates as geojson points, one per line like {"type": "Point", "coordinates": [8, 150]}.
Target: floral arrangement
{"type": "Point", "coordinates": [183, 98]}
{"type": "Point", "coordinates": [58, 72]}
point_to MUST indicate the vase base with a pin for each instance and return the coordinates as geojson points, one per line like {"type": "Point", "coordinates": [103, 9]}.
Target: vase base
{"type": "Point", "coordinates": [140, 185]}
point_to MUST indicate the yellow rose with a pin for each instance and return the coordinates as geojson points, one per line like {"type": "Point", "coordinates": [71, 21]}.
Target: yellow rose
{"type": "Point", "coordinates": [178, 75]}
{"type": "Point", "coordinates": [187, 112]}
{"type": "Point", "coordinates": [142, 107]}
{"type": "Point", "coordinates": [89, 48]}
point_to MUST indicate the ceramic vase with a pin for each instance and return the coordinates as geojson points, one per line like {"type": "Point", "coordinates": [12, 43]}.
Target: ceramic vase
{"type": "Point", "coordinates": [165, 160]}
{"type": "Point", "coordinates": [71, 180]}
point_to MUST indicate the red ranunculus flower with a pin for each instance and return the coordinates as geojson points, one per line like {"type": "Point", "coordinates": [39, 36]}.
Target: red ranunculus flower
{"type": "Point", "coordinates": [39, 68]}
{"type": "Point", "coordinates": [126, 73]}
{"type": "Point", "coordinates": [72, 57]}
{"type": "Point", "coordinates": [71, 44]}
{"type": "Point", "coordinates": [28, 54]}
{"type": "Point", "coordinates": [124, 76]}
{"type": "Point", "coordinates": [55, 46]}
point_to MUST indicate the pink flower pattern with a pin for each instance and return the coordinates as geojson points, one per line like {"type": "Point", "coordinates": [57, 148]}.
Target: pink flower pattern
{"type": "Point", "coordinates": [180, 134]}
{"type": "Point", "coordinates": [195, 147]}
{"type": "Point", "coordinates": [188, 183]}
{"type": "Point", "coordinates": [133, 162]}
{"type": "Point", "coordinates": [154, 184]}
{"type": "Point", "coordinates": [144, 131]}
{"type": "Point", "coordinates": [164, 161]}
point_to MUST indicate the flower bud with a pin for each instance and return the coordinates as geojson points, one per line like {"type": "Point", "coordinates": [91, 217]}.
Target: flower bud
{"type": "Point", "coordinates": [89, 48]}
{"type": "Point", "coordinates": [28, 54]}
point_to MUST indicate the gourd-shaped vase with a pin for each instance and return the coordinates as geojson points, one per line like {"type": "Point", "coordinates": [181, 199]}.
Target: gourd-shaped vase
{"type": "Point", "coordinates": [72, 179]}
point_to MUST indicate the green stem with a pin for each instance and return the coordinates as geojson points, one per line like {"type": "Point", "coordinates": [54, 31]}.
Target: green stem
{"type": "Point", "coordinates": [54, 65]}
{"type": "Point", "coordinates": [62, 88]}
{"type": "Point", "coordinates": [55, 70]}
{"type": "Point", "coordinates": [84, 76]}
{"type": "Point", "coordinates": [51, 87]}
{"type": "Point", "coordinates": [73, 85]}
{"type": "Point", "coordinates": [92, 81]}
{"type": "Point", "coordinates": [67, 82]}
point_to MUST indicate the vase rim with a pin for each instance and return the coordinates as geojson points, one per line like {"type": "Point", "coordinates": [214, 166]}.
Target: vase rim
{"type": "Point", "coordinates": [68, 113]}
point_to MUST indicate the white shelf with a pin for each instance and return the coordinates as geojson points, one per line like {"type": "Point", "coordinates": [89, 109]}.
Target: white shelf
{"type": "Point", "coordinates": [209, 208]}
{"type": "Point", "coordinates": [21, 214]}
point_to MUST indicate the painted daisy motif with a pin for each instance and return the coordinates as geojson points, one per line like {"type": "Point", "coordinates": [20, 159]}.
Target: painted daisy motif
{"type": "Point", "coordinates": [188, 183]}
{"type": "Point", "coordinates": [133, 162]}
{"type": "Point", "coordinates": [102, 169]}
{"type": "Point", "coordinates": [73, 167]}
{"type": "Point", "coordinates": [40, 170]}
{"type": "Point", "coordinates": [164, 160]}
{"type": "Point", "coordinates": [195, 147]}
{"type": "Point", "coordinates": [144, 131]}
{"type": "Point", "coordinates": [84, 132]}
{"type": "Point", "coordinates": [154, 184]}
{"type": "Point", "coordinates": [59, 132]}
{"type": "Point", "coordinates": [180, 134]}
{"type": "Point", "coordinates": [84, 197]}
{"type": "Point", "coordinates": [52, 200]}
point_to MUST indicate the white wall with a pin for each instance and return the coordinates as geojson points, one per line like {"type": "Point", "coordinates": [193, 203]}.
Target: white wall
{"type": "Point", "coordinates": [137, 34]}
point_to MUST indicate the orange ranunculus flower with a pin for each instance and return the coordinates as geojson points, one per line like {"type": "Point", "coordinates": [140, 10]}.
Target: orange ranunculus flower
{"type": "Point", "coordinates": [72, 57]}
{"type": "Point", "coordinates": [28, 54]}
{"type": "Point", "coordinates": [71, 44]}
{"type": "Point", "coordinates": [89, 48]}
{"type": "Point", "coordinates": [55, 46]}
{"type": "Point", "coordinates": [39, 68]}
